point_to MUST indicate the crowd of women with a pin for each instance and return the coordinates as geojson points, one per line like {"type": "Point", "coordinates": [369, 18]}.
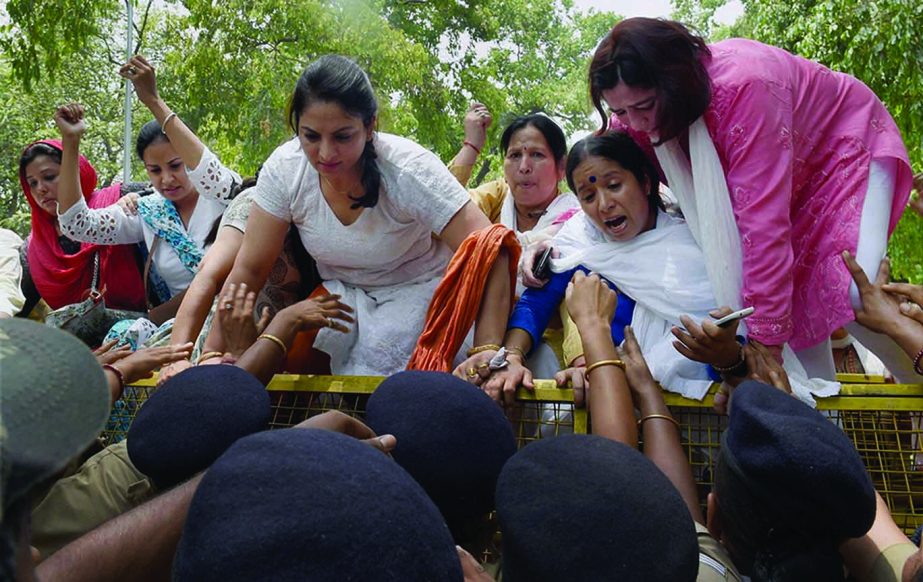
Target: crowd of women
{"type": "Point", "coordinates": [357, 252]}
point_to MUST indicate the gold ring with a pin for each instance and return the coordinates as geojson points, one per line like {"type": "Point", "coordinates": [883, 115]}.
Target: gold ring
{"type": "Point", "coordinates": [483, 366]}
{"type": "Point", "coordinates": [472, 372]}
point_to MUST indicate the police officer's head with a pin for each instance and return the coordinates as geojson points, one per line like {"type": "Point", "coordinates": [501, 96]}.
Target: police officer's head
{"type": "Point", "coordinates": [789, 488]}
{"type": "Point", "coordinates": [583, 507]}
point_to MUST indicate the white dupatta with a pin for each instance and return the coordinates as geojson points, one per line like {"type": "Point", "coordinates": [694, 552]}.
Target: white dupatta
{"type": "Point", "coordinates": [663, 270]}
{"type": "Point", "coordinates": [702, 192]}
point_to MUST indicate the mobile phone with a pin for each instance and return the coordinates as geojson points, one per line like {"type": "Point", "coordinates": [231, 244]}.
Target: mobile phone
{"type": "Point", "coordinates": [732, 317]}
{"type": "Point", "coordinates": [541, 268]}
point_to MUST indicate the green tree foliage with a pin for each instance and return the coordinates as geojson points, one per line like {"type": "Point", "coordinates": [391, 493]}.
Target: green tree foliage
{"type": "Point", "coordinates": [228, 68]}
{"type": "Point", "coordinates": [877, 42]}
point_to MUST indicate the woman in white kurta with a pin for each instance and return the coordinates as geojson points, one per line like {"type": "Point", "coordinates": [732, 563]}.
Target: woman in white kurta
{"type": "Point", "coordinates": [366, 206]}
{"type": "Point", "coordinates": [192, 190]}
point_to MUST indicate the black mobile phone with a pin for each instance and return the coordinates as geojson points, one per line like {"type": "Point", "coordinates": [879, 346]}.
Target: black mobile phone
{"type": "Point", "coordinates": [541, 268]}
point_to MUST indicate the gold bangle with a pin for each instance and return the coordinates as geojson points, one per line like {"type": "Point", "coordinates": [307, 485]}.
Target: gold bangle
{"type": "Point", "coordinates": [594, 365]}
{"type": "Point", "coordinates": [276, 341]}
{"type": "Point", "coordinates": [643, 419]}
{"type": "Point", "coordinates": [519, 351]}
{"type": "Point", "coordinates": [208, 356]}
{"type": "Point", "coordinates": [483, 348]}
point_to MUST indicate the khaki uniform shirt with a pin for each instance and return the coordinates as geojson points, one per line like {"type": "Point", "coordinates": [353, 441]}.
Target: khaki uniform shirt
{"type": "Point", "coordinates": [105, 486]}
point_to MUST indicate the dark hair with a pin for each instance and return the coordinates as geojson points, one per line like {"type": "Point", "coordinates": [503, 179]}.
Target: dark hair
{"type": "Point", "coordinates": [34, 151]}
{"type": "Point", "coordinates": [150, 133]}
{"type": "Point", "coordinates": [620, 148]}
{"type": "Point", "coordinates": [658, 54]}
{"type": "Point", "coordinates": [337, 79]}
{"type": "Point", "coordinates": [549, 129]}
{"type": "Point", "coordinates": [765, 548]}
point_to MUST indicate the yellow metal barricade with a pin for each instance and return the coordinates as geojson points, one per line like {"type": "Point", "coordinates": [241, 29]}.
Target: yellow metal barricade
{"type": "Point", "coordinates": [885, 421]}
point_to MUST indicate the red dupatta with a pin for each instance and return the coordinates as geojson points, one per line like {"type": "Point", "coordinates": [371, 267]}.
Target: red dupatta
{"type": "Point", "coordinates": [62, 279]}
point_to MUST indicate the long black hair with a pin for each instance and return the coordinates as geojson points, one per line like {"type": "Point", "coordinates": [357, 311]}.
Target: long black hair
{"type": "Point", "coordinates": [337, 79]}
{"type": "Point", "coordinates": [620, 148]}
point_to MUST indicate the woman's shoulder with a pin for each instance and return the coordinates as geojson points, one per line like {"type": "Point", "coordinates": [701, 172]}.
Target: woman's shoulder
{"type": "Point", "coordinates": [287, 157]}
{"type": "Point", "coordinates": [400, 155]}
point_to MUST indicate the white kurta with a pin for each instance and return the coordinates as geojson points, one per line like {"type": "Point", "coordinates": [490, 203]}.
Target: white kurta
{"type": "Point", "coordinates": [112, 226]}
{"type": "Point", "coordinates": [387, 263]}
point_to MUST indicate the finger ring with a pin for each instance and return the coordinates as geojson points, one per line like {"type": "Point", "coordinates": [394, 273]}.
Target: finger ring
{"type": "Point", "coordinates": [132, 70]}
{"type": "Point", "coordinates": [472, 372]}
{"type": "Point", "coordinates": [330, 322]}
{"type": "Point", "coordinates": [474, 375]}
{"type": "Point", "coordinates": [483, 366]}
{"type": "Point", "coordinates": [229, 306]}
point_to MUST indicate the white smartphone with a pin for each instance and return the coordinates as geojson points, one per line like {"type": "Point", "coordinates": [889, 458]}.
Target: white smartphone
{"type": "Point", "coordinates": [732, 317]}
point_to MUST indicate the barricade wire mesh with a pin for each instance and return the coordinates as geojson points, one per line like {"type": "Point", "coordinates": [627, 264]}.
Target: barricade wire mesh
{"type": "Point", "coordinates": [884, 421]}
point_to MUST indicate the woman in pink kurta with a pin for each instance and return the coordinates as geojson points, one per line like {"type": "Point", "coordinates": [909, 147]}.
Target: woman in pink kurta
{"type": "Point", "coordinates": [797, 144]}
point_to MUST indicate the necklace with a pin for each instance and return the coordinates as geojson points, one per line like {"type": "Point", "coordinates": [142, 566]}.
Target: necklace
{"type": "Point", "coordinates": [533, 214]}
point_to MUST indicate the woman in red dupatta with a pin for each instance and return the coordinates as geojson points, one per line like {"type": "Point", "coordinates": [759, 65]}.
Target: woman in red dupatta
{"type": "Point", "coordinates": [63, 277]}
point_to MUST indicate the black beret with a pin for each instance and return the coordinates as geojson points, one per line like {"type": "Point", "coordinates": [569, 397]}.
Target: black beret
{"type": "Point", "coordinates": [798, 466]}
{"type": "Point", "coordinates": [307, 504]}
{"type": "Point", "coordinates": [451, 437]}
{"type": "Point", "coordinates": [582, 507]}
{"type": "Point", "coordinates": [193, 418]}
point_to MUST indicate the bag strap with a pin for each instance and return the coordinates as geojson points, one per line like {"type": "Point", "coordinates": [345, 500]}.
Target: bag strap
{"type": "Point", "coordinates": [94, 283]}
{"type": "Point", "coordinates": [147, 269]}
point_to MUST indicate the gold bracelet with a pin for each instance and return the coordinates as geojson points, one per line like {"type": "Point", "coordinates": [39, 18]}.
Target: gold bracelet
{"type": "Point", "coordinates": [276, 341]}
{"type": "Point", "coordinates": [643, 419]}
{"type": "Point", "coordinates": [594, 365]}
{"type": "Point", "coordinates": [208, 356]}
{"type": "Point", "coordinates": [483, 348]}
{"type": "Point", "coordinates": [518, 350]}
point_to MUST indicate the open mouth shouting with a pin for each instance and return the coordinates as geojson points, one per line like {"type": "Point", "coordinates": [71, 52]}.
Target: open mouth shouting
{"type": "Point", "coordinates": [616, 226]}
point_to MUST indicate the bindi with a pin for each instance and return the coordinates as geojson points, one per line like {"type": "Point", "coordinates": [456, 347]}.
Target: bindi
{"type": "Point", "coordinates": [592, 179]}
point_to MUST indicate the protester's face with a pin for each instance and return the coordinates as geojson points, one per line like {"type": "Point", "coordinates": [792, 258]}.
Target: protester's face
{"type": "Point", "coordinates": [530, 168]}
{"type": "Point", "coordinates": [167, 171]}
{"type": "Point", "coordinates": [633, 106]}
{"type": "Point", "coordinates": [613, 198]}
{"type": "Point", "coordinates": [42, 177]}
{"type": "Point", "coordinates": [332, 139]}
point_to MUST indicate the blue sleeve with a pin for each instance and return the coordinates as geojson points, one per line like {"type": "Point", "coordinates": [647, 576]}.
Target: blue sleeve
{"type": "Point", "coordinates": [535, 308]}
{"type": "Point", "coordinates": [623, 312]}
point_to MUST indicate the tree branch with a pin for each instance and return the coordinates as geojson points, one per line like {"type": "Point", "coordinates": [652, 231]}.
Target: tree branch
{"type": "Point", "coordinates": [140, 32]}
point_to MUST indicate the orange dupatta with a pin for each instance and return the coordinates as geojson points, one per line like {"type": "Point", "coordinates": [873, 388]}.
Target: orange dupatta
{"type": "Point", "coordinates": [457, 299]}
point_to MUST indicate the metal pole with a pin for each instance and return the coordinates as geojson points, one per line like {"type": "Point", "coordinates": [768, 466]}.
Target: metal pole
{"type": "Point", "coordinates": [126, 145]}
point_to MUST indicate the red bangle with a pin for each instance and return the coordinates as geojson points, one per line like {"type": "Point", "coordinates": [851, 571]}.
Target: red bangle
{"type": "Point", "coordinates": [472, 146]}
{"type": "Point", "coordinates": [916, 362]}
{"type": "Point", "coordinates": [118, 374]}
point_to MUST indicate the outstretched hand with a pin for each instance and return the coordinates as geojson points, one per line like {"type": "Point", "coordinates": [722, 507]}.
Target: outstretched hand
{"type": "Point", "coordinates": [336, 421]}
{"type": "Point", "coordinates": [880, 311]}
{"type": "Point", "coordinates": [317, 312]}
{"type": "Point", "coordinates": [70, 121]}
{"type": "Point", "coordinates": [142, 363]}
{"type": "Point", "coordinates": [235, 312]}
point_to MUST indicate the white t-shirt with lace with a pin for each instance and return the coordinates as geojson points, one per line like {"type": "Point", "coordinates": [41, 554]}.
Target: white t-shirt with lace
{"type": "Point", "coordinates": [389, 244]}
{"type": "Point", "coordinates": [112, 226]}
